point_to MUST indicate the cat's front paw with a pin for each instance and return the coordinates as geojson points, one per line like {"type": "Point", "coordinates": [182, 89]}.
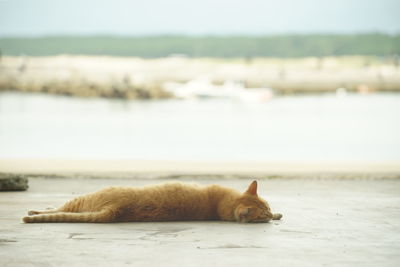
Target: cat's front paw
{"type": "Point", "coordinates": [277, 216]}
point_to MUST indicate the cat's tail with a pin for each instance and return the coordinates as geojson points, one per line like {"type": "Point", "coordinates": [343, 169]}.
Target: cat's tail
{"type": "Point", "coordinates": [84, 217]}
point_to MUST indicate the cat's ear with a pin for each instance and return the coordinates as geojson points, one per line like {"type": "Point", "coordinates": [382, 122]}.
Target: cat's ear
{"type": "Point", "coordinates": [252, 190]}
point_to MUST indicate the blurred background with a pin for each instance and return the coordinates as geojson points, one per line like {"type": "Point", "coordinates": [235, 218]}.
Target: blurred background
{"type": "Point", "coordinates": [268, 82]}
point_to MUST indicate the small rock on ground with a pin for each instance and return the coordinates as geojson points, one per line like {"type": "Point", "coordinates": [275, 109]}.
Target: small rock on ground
{"type": "Point", "coordinates": [13, 182]}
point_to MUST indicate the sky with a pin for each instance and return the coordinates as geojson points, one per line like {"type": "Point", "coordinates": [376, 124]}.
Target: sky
{"type": "Point", "coordinates": [202, 17]}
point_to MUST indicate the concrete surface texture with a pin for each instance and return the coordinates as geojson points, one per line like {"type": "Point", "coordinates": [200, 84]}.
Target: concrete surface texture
{"type": "Point", "coordinates": [326, 222]}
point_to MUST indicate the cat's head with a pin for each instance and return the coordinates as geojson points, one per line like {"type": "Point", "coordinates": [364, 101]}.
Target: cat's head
{"type": "Point", "coordinates": [251, 208]}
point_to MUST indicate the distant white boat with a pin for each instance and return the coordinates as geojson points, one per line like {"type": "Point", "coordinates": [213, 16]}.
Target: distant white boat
{"type": "Point", "coordinates": [203, 88]}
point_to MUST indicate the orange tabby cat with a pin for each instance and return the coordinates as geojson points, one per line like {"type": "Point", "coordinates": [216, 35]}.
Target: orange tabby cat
{"type": "Point", "coordinates": [166, 202]}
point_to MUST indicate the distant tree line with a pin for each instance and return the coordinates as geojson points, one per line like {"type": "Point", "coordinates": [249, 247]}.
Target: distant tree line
{"type": "Point", "coordinates": [317, 45]}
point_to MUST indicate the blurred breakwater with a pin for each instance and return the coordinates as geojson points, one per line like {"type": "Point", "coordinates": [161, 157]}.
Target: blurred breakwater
{"type": "Point", "coordinates": [137, 78]}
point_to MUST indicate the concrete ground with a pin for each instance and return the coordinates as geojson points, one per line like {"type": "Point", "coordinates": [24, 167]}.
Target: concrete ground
{"type": "Point", "coordinates": [339, 222]}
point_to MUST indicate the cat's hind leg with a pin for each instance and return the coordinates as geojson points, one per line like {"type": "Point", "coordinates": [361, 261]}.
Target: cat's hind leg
{"type": "Point", "coordinates": [37, 212]}
{"type": "Point", "coordinates": [102, 216]}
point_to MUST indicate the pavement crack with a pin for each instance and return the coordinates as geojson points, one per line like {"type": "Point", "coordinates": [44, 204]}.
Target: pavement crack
{"type": "Point", "coordinates": [230, 246]}
{"type": "Point", "coordinates": [7, 240]}
{"type": "Point", "coordinates": [72, 235]}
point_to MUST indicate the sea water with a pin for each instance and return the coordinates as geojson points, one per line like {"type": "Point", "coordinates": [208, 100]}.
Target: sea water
{"type": "Point", "coordinates": [285, 128]}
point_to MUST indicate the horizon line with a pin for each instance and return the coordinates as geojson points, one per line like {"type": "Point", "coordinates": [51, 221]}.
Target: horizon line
{"type": "Point", "coordinates": [224, 35]}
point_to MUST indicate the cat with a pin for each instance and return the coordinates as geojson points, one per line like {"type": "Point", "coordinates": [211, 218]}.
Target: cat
{"type": "Point", "coordinates": [166, 202]}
